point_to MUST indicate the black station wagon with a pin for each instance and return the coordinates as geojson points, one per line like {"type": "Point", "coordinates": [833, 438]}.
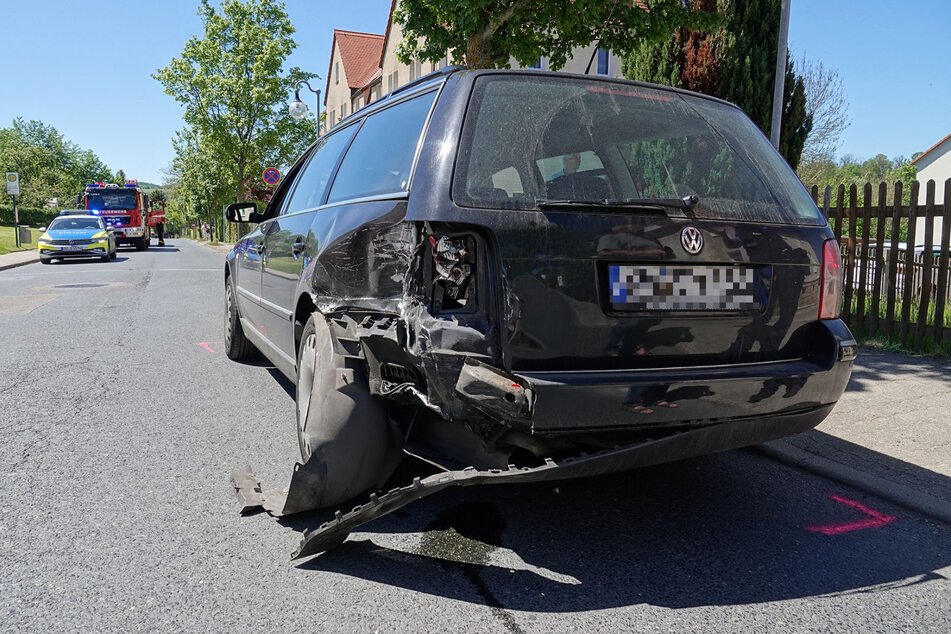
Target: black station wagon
{"type": "Point", "coordinates": [520, 275]}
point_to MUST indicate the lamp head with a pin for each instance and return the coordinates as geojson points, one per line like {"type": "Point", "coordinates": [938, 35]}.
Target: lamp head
{"type": "Point", "coordinates": [297, 108]}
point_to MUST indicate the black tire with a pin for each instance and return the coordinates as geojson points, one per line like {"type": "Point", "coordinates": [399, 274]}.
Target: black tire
{"type": "Point", "coordinates": [237, 345]}
{"type": "Point", "coordinates": [105, 258]}
{"type": "Point", "coordinates": [345, 436]}
{"type": "Point", "coordinates": [46, 260]}
{"type": "Point", "coordinates": [114, 254]}
{"type": "Point", "coordinates": [141, 244]}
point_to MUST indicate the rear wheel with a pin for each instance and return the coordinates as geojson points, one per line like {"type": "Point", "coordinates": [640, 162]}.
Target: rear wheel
{"type": "Point", "coordinates": [237, 346]}
{"type": "Point", "coordinates": [141, 244]}
{"type": "Point", "coordinates": [344, 433]}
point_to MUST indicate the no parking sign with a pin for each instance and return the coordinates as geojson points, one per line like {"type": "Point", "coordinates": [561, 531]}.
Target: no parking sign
{"type": "Point", "coordinates": [271, 176]}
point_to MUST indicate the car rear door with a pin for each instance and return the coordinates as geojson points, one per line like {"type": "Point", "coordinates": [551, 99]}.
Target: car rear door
{"type": "Point", "coordinates": [289, 242]}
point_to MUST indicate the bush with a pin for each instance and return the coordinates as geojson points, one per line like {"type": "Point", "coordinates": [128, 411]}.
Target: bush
{"type": "Point", "coordinates": [28, 215]}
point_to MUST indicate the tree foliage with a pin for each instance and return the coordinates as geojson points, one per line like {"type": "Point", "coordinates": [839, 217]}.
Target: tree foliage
{"type": "Point", "coordinates": [488, 33]}
{"type": "Point", "coordinates": [850, 170]}
{"type": "Point", "coordinates": [233, 87]}
{"type": "Point", "coordinates": [827, 104]}
{"type": "Point", "coordinates": [49, 165]}
{"type": "Point", "coordinates": [735, 61]}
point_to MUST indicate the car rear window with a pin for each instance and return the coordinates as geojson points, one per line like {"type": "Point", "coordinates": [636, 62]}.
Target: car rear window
{"type": "Point", "coordinates": [530, 138]}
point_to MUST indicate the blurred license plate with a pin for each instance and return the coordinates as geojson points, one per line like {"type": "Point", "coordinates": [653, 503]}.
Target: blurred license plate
{"type": "Point", "coordinates": [651, 287]}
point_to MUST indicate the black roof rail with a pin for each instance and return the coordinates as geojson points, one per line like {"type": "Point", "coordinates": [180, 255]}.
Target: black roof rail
{"type": "Point", "coordinates": [427, 77]}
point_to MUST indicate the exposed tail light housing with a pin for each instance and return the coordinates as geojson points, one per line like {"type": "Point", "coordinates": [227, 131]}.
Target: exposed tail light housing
{"type": "Point", "coordinates": [830, 289]}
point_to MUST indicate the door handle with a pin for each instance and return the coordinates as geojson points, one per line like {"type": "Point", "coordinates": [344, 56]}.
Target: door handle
{"type": "Point", "coordinates": [298, 246]}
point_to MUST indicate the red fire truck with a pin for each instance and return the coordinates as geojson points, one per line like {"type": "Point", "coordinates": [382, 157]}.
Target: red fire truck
{"type": "Point", "coordinates": [124, 208]}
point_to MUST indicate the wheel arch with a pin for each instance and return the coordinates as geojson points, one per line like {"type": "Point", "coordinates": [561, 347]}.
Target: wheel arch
{"type": "Point", "coordinates": [302, 311]}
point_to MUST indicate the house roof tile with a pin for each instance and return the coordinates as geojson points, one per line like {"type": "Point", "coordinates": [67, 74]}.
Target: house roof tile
{"type": "Point", "coordinates": [360, 54]}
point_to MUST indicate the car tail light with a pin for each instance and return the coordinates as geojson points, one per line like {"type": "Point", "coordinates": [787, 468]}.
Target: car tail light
{"type": "Point", "coordinates": [454, 263]}
{"type": "Point", "coordinates": [830, 290]}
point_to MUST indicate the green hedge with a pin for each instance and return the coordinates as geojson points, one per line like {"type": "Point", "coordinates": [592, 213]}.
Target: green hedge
{"type": "Point", "coordinates": [28, 215]}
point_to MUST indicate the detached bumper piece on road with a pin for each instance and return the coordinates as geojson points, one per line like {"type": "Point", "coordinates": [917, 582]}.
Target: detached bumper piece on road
{"type": "Point", "coordinates": [695, 442]}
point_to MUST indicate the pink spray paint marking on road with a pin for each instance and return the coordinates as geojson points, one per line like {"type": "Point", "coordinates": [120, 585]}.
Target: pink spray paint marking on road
{"type": "Point", "coordinates": [875, 519]}
{"type": "Point", "coordinates": [207, 345]}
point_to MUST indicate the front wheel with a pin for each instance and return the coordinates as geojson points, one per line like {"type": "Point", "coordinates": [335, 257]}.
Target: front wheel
{"type": "Point", "coordinates": [237, 345]}
{"type": "Point", "coordinates": [345, 436]}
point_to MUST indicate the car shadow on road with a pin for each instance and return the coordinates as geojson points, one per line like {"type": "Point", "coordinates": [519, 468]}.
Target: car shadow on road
{"type": "Point", "coordinates": [878, 365]}
{"type": "Point", "coordinates": [729, 529]}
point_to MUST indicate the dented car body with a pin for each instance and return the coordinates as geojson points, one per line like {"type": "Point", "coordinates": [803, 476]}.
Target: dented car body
{"type": "Point", "coordinates": [524, 275]}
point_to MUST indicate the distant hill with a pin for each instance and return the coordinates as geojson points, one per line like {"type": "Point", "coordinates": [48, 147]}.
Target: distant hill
{"type": "Point", "coordinates": [146, 185]}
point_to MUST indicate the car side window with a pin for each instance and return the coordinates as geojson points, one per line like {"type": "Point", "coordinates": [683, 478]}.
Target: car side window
{"type": "Point", "coordinates": [381, 156]}
{"type": "Point", "coordinates": [312, 184]}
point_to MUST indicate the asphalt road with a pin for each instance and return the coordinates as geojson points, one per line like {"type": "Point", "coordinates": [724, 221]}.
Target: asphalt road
{"type": "Point", "coordinates": [121, 420]}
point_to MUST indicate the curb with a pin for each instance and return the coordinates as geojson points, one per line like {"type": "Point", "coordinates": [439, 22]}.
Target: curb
{"type": "Point", "coordinates": [4, 267]}
{"type": "Point", "coordinates": [899, 494]}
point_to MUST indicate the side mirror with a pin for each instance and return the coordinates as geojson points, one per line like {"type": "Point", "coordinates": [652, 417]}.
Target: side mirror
{"type": "Point", "coordinates": [242, 212]}
{"type": "Point", "coordinates": [42, 229]}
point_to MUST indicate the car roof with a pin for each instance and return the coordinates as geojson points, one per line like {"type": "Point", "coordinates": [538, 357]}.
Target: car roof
{"type": "Point", "coordinates": [79, 215]}
{"type": "Point", "coordinates": [439, 76]}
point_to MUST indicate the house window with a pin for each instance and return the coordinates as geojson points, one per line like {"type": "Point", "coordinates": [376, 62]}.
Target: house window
{"type": "Point", "coordinates": [337, 72]}
{"type": "Point", "coordinates": [537, 64]}
{"type": "Point", "coordinates": [604, 58]}
{"type": "Point", "coordinates": [343, 110]}
{"type": "Point", "coordinates": [330, 118]}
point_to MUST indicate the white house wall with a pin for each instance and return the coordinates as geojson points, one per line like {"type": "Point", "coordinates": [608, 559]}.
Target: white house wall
{"type": "Point", "coordinates": [936, 166]}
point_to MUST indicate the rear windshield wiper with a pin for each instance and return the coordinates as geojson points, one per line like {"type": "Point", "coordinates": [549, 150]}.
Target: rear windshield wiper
{"type": "Point", "coordinates": [687, 202]}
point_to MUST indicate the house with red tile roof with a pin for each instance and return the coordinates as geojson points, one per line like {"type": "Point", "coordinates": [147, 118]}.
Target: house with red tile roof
{"type": "Point", "coordinates": [353, 77]}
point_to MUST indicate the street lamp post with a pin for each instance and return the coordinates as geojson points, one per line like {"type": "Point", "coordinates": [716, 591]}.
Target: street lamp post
{"type": "Point", "coordinates": [298, 109]}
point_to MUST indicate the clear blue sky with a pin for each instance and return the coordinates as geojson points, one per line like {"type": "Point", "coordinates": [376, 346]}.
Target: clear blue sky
{"type": "Point", "coordinates": [84, 68]}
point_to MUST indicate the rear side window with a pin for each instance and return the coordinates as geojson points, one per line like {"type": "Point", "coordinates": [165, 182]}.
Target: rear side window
{"type": "Point", "coordinates": [380, 158]}
{"type": "Point", "coordinates": [310, 188]}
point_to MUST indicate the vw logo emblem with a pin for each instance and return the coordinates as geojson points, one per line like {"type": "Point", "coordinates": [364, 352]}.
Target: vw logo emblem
{"type": "Point", "coordinates": [691, 240]}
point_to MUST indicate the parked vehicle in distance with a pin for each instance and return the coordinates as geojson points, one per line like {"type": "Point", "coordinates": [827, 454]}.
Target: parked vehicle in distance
{"type": "Point", "coordinates": [76, 234]}
{"type": "Point", "coordinates": [525, 275]}
{"type": "Point", "coordinates": [124, 208]}
{"type": "Point", "coordinates": [916, 273]}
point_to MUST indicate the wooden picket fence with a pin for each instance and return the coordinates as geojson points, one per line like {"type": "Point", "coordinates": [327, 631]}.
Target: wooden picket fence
{"type": "Point", "coordinates": [893, 293]}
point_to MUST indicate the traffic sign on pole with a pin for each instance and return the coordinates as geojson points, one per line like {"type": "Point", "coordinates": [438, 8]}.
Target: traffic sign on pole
{"type": "Point", "coordinates": [13, 183]}
{"type": "Point", "coordinates": [271, 176]}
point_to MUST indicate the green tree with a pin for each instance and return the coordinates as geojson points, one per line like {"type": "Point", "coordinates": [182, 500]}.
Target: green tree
{"type": "Point", "coordinates": [797, 123]}
{"type": "Point", "coordinates": [487, 33]}
{"type": "Point", "coordinates": [120, 177]}
{"type": "Point", "coordinates": [49, 165]}
{"type": "Point", "coordinates": [233, 87]}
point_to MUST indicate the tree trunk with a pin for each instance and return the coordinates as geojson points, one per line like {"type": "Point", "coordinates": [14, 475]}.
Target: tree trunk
{"type": "Point", "coordinates": [240, 179]}
{"type": "Point", "coordinates": [479, 52]}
